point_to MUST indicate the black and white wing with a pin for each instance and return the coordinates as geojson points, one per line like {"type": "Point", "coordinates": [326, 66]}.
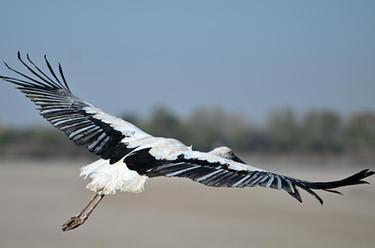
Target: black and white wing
{"type": "Point", "coordinates": [216, 171]}
{"type": "Point", "coordinates": [80, 121]}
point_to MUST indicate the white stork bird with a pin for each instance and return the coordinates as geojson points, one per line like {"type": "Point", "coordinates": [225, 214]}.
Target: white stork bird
{"type": "Point", "coordinates": [129, 155]}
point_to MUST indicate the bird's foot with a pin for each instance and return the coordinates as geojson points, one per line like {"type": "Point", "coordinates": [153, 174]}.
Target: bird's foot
{"type": "Point", "coordinates": [73, 223]}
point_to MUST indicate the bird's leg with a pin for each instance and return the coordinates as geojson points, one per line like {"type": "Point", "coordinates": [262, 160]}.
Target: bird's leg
{"type": "Point", "coordinates": [81, 218]}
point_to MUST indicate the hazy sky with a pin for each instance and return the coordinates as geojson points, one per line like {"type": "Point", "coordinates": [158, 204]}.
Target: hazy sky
{"type": "Point", "coordinates": [248, 57]}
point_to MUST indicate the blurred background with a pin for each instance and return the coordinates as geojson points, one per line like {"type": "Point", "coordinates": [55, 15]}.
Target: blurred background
{"type": "Point", "coordinates": [289, 85]}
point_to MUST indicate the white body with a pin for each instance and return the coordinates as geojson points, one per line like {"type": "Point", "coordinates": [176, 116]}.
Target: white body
{"type": "Point", "coordinates": [109, 178]}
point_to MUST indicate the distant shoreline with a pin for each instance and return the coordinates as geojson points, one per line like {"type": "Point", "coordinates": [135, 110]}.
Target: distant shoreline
{"type": "Point", "coordinates": [263, 160]}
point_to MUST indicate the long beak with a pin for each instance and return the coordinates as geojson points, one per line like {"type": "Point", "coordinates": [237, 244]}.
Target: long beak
{"type": "Point", "coordinates": [237, 159]}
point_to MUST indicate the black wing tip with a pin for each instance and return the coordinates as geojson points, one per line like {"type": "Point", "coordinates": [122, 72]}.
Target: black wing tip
{"type": "Point", "coordinates": [369, 172]}
{"type": "Point", "coordinates": [28, 58]}
{"type": "Point", "coordinates": [46, 60]}
{"type": "Point", "coordinates": [19, 57]}
{"type": "Point", "coordinates": [44, 81]}
{"type": "Point", "coordinates": [295, 193]}
{"type": "Point", "coordinates": [63, 77]}
{"type": "Point", "coordinates": [297, 197]}
{"type": "Point", "coordinates": [6, 64]}
{"type": "Point", "coordinates": [363, 182]}
{"type": "Point", "coordinates": [357, 178]}
{"type": "Point", "coordinates": [333, 191]}
{"type": "Point", "coordinates": [320, 201]}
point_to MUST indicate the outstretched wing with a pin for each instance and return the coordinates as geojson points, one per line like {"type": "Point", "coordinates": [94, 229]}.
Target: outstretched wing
{"type": "Point", "coordinates": [83, 123]}
{"type": "Point", "coordinates": [215, 171]}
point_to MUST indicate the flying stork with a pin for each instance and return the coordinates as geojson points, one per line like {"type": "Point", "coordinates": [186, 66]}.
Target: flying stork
{"type": "Point", "coordinates": [129, 156]}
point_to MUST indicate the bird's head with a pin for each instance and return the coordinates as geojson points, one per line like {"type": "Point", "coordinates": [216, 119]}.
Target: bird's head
{"type": "Point", "coordinates": [227, 153]}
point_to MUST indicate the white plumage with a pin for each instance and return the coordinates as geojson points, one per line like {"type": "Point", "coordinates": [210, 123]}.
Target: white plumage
{"type": "Point", "coordinates": [129, 155]}
{"type": "Point", "coordinates": [108, 178]}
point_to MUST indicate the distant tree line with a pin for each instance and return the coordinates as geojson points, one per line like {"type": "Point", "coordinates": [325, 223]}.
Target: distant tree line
{"type": "Point", "coordinates": [317, 132]}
